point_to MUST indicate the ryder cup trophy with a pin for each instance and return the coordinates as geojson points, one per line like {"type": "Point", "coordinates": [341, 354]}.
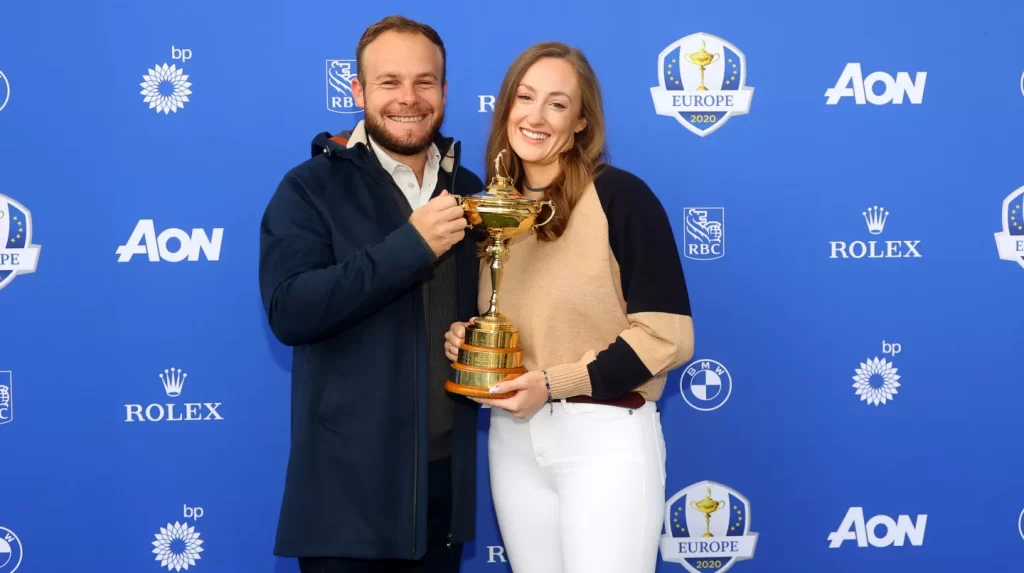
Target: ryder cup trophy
{"type": "Point", "coordinates": [490, 350]}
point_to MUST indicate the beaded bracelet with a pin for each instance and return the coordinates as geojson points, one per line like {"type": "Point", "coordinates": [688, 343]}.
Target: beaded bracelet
{"type": "Point", "coordinates": [551, 401]}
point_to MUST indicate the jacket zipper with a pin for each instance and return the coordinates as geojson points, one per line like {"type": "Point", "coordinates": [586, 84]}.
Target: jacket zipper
{"type": "Point", "coordinates": [415, 356]}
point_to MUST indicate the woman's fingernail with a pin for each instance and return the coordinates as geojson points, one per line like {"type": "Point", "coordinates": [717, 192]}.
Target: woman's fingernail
{"type": "Point", "coordinates": [495, 389]}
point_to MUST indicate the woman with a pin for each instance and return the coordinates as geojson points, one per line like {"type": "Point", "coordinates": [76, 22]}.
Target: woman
{"type": "Point", "coordinates": [601, 304]}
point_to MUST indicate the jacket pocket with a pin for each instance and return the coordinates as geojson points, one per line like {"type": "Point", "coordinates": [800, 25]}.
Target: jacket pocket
{"type": "Point", "coordinates": [327, 407]}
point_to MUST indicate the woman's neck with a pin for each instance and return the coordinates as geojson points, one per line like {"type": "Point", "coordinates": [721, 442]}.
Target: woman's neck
{"type": "Point", "coordinates": [538, 178]}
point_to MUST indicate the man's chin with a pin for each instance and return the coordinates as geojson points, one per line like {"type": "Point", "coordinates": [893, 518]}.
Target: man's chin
{"type": "Point", "coordinates": [401, 139]}
{"type": "Point", "coordinates": [404, 143]}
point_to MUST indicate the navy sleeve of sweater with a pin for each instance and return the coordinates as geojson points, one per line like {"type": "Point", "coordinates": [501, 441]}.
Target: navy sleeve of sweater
{"type": "Point", "coordinates": [653, 286]}
{"type": "Point", "coordinates": [307, 294]}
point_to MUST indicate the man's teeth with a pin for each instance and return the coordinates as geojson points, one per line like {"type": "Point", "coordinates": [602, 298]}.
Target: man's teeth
{"type": "Point", "coordinates": [407, 118]}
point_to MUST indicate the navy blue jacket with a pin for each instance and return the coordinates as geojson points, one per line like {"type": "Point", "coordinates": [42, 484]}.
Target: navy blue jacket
{"type": "Point", "coordinates": [340, 273]}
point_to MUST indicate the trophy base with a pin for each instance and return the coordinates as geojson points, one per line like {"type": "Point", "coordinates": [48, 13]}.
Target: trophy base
{"type": "Point", "coordinates": [489, 355]}
{"type": "Point", "coordinates": [476, 392]}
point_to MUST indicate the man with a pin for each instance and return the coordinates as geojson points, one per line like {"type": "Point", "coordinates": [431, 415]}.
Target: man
{"type": "Point", "coordinates": [364, 264]}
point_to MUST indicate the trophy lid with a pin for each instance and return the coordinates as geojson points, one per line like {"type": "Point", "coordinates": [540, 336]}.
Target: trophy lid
{"type": "Point", "coordinates": [501, 187]}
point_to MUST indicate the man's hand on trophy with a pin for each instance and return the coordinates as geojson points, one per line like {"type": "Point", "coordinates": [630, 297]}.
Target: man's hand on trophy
{"type": "Point", "coordinates": [454, 338]}
{"type": "Point", "coordinates": [441, 223]}
{"type": "Point", "coordinates": [531, 393]}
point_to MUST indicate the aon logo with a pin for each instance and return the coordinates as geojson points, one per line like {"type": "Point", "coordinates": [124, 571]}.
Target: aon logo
{"type": "Point", "coordinates": [145, 241]}
{"type": "Point", "coordinates": [893, 532]}
{"type": "Point", "coordinates": [853, 84]}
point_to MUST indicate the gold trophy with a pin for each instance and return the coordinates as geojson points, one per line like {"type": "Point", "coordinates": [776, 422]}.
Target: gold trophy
{"type": "Point", "coordinates": [707, 506]}
{"type": "Point", "coordinates": [490, 351]}
{"type": "Point", "coordinates": [703, 59]}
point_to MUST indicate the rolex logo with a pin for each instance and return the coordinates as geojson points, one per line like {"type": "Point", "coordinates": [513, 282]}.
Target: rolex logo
{"type": "Point", "coordinates": [173, 381]}
{"type": "Point", "coordinates": [875, 218]}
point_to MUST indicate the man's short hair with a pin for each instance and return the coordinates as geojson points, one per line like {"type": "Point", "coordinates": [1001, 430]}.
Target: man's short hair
{"type": "Point", "coordinates": [398, 24]}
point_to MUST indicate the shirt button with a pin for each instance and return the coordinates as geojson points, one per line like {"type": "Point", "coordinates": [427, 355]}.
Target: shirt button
{"type": "Point", "coordinates": [409, 185]}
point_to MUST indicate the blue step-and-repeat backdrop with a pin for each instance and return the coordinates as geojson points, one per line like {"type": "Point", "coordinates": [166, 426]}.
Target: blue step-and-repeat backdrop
{"type": "Point", "coordinates": [848, 193]}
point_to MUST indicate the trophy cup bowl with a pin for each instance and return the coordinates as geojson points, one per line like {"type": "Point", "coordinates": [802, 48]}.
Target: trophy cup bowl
{"type": "Point", "coordinates": [490, 351]}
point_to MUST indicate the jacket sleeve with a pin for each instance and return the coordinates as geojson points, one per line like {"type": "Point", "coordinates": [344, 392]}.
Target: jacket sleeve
{"type": "Point", "coordinates": [660, 335]}
{"type": "Point", "coordinates": [308, 295]}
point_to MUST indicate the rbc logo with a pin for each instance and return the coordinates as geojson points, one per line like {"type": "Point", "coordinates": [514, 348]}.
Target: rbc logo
{"type": "Point", "coordinates": [852, 83]}
{"type": "Point", "coordinates": [158, 248]}
{"type": "Point", "coordinates": [706, 385]}
{"type": "Point", "coordinates": [704, 239]}
{"type": "Point", "coordinates": [486, 103]}
{"type": "Point", "coordinates": [339, 86]}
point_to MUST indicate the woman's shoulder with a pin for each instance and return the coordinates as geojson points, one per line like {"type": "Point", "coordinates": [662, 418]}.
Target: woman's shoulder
{"type": "Point", "coordinates": [623, 191]}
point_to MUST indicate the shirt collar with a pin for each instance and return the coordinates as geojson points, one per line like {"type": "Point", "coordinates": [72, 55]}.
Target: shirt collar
{"type": "Point", "coordinates": [391, 165]}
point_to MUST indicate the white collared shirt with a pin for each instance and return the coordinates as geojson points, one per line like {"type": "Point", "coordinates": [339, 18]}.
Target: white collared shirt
{"type": "Point", "coordinates": [417, 194]}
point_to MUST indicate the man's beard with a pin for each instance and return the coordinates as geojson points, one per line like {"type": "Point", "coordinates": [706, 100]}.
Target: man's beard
{"type": "Point", "coordinates": [382, 137]}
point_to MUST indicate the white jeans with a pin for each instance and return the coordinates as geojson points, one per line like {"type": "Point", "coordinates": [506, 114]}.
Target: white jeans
{"type": "Point", "coordinates": [579, 490]}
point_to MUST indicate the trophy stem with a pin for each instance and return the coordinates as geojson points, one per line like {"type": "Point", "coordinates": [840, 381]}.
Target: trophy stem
{"type": "Point", "coordinates": [702, 88]}
{"type": "Point", "coordinates": [497, 250]}
{"type": "Point", "coordinates": [707, 530]}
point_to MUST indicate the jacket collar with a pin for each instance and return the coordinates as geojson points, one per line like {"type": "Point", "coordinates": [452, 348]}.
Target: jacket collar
{"type": "Point", "coordinates": [349, 140]}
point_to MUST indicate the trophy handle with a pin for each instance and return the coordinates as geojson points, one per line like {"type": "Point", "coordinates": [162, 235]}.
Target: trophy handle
{"type": "Point", "coordinates": [458, 201]}
{"type": "Point", "coordinates": [716, 57]}
{"type": "Point", "coordinates": [551, 216]}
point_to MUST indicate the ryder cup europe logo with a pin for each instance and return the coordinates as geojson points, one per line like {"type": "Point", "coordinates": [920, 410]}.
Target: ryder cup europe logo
{"type": "Point", "coordinates": [702, 83]}
{"type": "Point", "coordinates": [707, 528]}
{"type": "Point", "coordinates": [18, 256]}
{"type": "Point", "coordinates": [1010, 241]}
{"type": "Point", "coordinates": [340, 74]}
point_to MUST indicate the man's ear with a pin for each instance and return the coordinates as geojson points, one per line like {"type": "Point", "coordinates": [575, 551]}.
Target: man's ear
{"type": "Point", "coordinates": [357, 93]}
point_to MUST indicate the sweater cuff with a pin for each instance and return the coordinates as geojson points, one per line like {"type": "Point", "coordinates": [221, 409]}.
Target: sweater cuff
{"type": "Point", "coordinates": [569, 380]}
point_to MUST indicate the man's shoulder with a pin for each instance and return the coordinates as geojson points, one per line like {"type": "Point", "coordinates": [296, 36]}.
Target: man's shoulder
{"type": "Point", "coordinates": [464, 178]}
{"type": "Point", "coordinates": [320, 172]}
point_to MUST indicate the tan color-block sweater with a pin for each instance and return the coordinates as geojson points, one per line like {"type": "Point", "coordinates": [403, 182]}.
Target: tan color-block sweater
{"type": "Point", "coordinates": [604, 309]}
